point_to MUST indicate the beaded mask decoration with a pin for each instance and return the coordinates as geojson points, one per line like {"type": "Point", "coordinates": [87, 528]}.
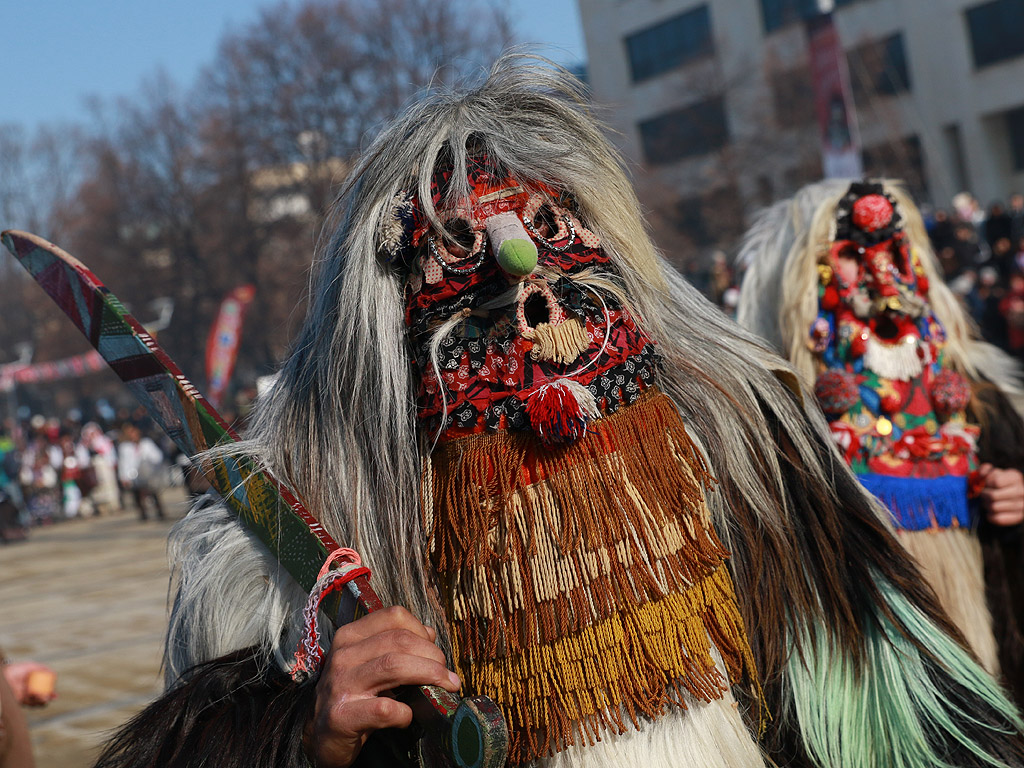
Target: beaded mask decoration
{"type": "Point", "coordinates": [506, 332]}
{"type": "Point", "coordinates": [583, 582]}
{"type": "Point", "coordinates": [895, 409]}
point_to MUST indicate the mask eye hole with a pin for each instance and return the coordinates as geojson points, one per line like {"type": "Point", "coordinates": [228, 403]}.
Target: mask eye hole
{"type": "Point", "coordinates": [546, 223]}
{"type": "Point", "coordinates": [462, 241]}
{"type": "Point", "coordinates": [462, 251]}
{"type": "Point", "coordinates": [549, 224]}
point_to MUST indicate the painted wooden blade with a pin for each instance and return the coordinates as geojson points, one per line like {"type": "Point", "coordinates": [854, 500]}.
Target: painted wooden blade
{"type": "Point", "coordinates": [268, 509]}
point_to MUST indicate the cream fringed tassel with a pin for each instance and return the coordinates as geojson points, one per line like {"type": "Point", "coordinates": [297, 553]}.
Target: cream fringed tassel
{"type": "Point", "coordinates": [951, 562]}
{"type": "Point", "coordinates": [561, 343]}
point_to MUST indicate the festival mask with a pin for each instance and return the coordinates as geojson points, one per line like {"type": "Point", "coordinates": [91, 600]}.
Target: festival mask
{"type": "Point", "coordinates": [873, 281]}
{"type": "Point", "coordinates": [895, 408]}
{"type": "Point", "coordinates": [876, 270]}
{"type": "Point", "coordinates": [520, 338]}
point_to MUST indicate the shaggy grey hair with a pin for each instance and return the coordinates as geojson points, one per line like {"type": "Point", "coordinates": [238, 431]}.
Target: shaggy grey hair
{"type": "Point", "coordinates": [339, 427]}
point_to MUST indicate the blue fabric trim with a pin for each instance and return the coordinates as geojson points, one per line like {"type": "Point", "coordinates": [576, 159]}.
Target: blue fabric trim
{"type": "Point", "coordinates": [919, 503]}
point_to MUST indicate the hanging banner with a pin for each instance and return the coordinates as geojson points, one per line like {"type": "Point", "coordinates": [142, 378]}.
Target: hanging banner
{"type": "Point", "coordinates": [222, 344]}
{"type": "Point", "coordinates": [833, 101]}
{"type": "Point", "coordinates": [68, 368]}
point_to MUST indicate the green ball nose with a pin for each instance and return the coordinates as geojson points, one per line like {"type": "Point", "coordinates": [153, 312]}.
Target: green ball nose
{"type": "Point", "coordinates": [517, 256]}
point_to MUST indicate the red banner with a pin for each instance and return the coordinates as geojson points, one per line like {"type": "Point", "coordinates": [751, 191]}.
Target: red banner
{"type": "Point", "coordinates": [837, 118]}
{"type": "Point", "coordinates": [68, 368]}
{"type": "Point", "coordinates": [222, 344]}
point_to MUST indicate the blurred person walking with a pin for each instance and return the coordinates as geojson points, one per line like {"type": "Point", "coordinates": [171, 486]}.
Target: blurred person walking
{"type": "Point", "coordinates": [139, 462]}
{"type": "Point", "coordinates": [103, 456]}
{"type": "Point", "coordinates": [39, 479]}
{"type": "Point", "coordinates": [76, 476]}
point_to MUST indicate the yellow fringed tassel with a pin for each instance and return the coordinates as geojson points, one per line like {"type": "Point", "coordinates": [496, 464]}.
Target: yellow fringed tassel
{"type": "Point", "coordinates": [637, 662]}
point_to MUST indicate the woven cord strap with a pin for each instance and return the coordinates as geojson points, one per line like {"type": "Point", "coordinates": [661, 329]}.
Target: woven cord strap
{"type": "Point", "coordinates": [310, 655]}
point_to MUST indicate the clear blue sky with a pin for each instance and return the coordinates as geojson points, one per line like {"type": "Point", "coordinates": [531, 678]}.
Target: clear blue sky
{"type": "Point", "coordinates": [56, 53]}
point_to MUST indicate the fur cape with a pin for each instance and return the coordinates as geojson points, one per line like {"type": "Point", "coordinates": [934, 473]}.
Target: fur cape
{"type": "Point", "coordinates": [856, 663]}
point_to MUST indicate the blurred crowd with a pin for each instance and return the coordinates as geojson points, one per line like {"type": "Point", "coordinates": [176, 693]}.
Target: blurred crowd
{"type": "Point", "coordinates": [982, 257]}
{"type": "Point", "coordinates": [53, 470]}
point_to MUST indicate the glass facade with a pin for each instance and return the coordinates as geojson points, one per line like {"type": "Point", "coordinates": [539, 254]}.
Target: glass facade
{"type": "Point", "coordinates": [996, 31]}
{"type": "Point", "coordinates": [670, 44]}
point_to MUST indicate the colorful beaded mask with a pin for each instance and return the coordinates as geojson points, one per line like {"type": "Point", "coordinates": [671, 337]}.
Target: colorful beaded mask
{"type": "Point", "coordinates": [896, 410]}
{"type": "Point", "coordinates": [506, 330]}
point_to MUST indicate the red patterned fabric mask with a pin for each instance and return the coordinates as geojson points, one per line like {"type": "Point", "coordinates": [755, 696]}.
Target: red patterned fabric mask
{"type": "Point", "coordinates": [524, 341]}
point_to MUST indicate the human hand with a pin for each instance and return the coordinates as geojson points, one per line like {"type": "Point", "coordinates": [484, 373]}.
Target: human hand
{"type": "Point", "coordinates": [32, 682]}
{"type": "Point", "coordinates": [1002, 495]}
{"type": "Point", "coordinates": [368, 658]}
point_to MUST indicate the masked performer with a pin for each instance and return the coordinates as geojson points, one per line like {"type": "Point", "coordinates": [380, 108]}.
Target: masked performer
{"type": "Point", "coordinates": [842, 279]}
{"type": "Point", "coordinates": [593, 487]}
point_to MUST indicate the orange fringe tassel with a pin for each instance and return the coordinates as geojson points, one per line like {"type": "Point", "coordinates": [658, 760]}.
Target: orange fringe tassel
{"type": "Point", "coordinates": [585, 580]}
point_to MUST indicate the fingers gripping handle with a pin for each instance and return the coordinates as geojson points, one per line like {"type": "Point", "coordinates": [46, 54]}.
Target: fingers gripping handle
{"type": "Point", "coordinates": [465, 733]}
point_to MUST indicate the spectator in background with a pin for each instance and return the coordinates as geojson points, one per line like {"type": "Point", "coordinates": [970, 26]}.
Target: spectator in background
{"type": "Point", "coordinates": [1004, 257]}
{"type": "Point", "coordinates": [990, 296]}
{"type": "Point", "coordinates": [997, 225]}
{"type": "Point", "coordinates": [39, 478]}
{"type": "Point", "coordinates": [1016, 214]}
{"type": "Point", "coordinates": [720, 277]}
{"type": "Point", "coordinates": [943, 235]}
{"type": "Point", "coordinates": [75, 473]}
{"type": "Point", "coordinates": [967, 246]}
{"type": "Point", "coordinates": [967, 209]}
{"type": "Point", "coordinates": [1011, 307]}
{"type": "Point", "coordinates": [104, 465]}
{"type": "Point", "coordinates": [1018, 258]}
{"type": "Point", "coordinates": [139, 462]}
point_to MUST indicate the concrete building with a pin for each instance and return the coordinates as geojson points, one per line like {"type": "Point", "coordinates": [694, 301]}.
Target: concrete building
{"type": "Point", "coordinates": [712, 101]}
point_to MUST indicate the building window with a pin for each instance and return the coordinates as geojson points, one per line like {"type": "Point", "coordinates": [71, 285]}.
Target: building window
{"type": "Point", "coordinates": [687, 132]}
{"type": "Point", "coordinates": [997, 31]}
{"type": "Point", "coordinates": [793, 98]}
{"type": "Point", "coordinates": [779, 13]}
{"type": "Point", "coordinates": [1015, 129]}
{"type": "Point", "coordinates": [670, 44]}
{"type": "Point", "coordinates": [898, 159]}
{"type": "Point", "coordinates": [879, 68]}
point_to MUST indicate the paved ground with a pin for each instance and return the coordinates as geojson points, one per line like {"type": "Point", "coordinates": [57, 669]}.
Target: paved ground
{"type": "Point", "coordinates": [88, 597]}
